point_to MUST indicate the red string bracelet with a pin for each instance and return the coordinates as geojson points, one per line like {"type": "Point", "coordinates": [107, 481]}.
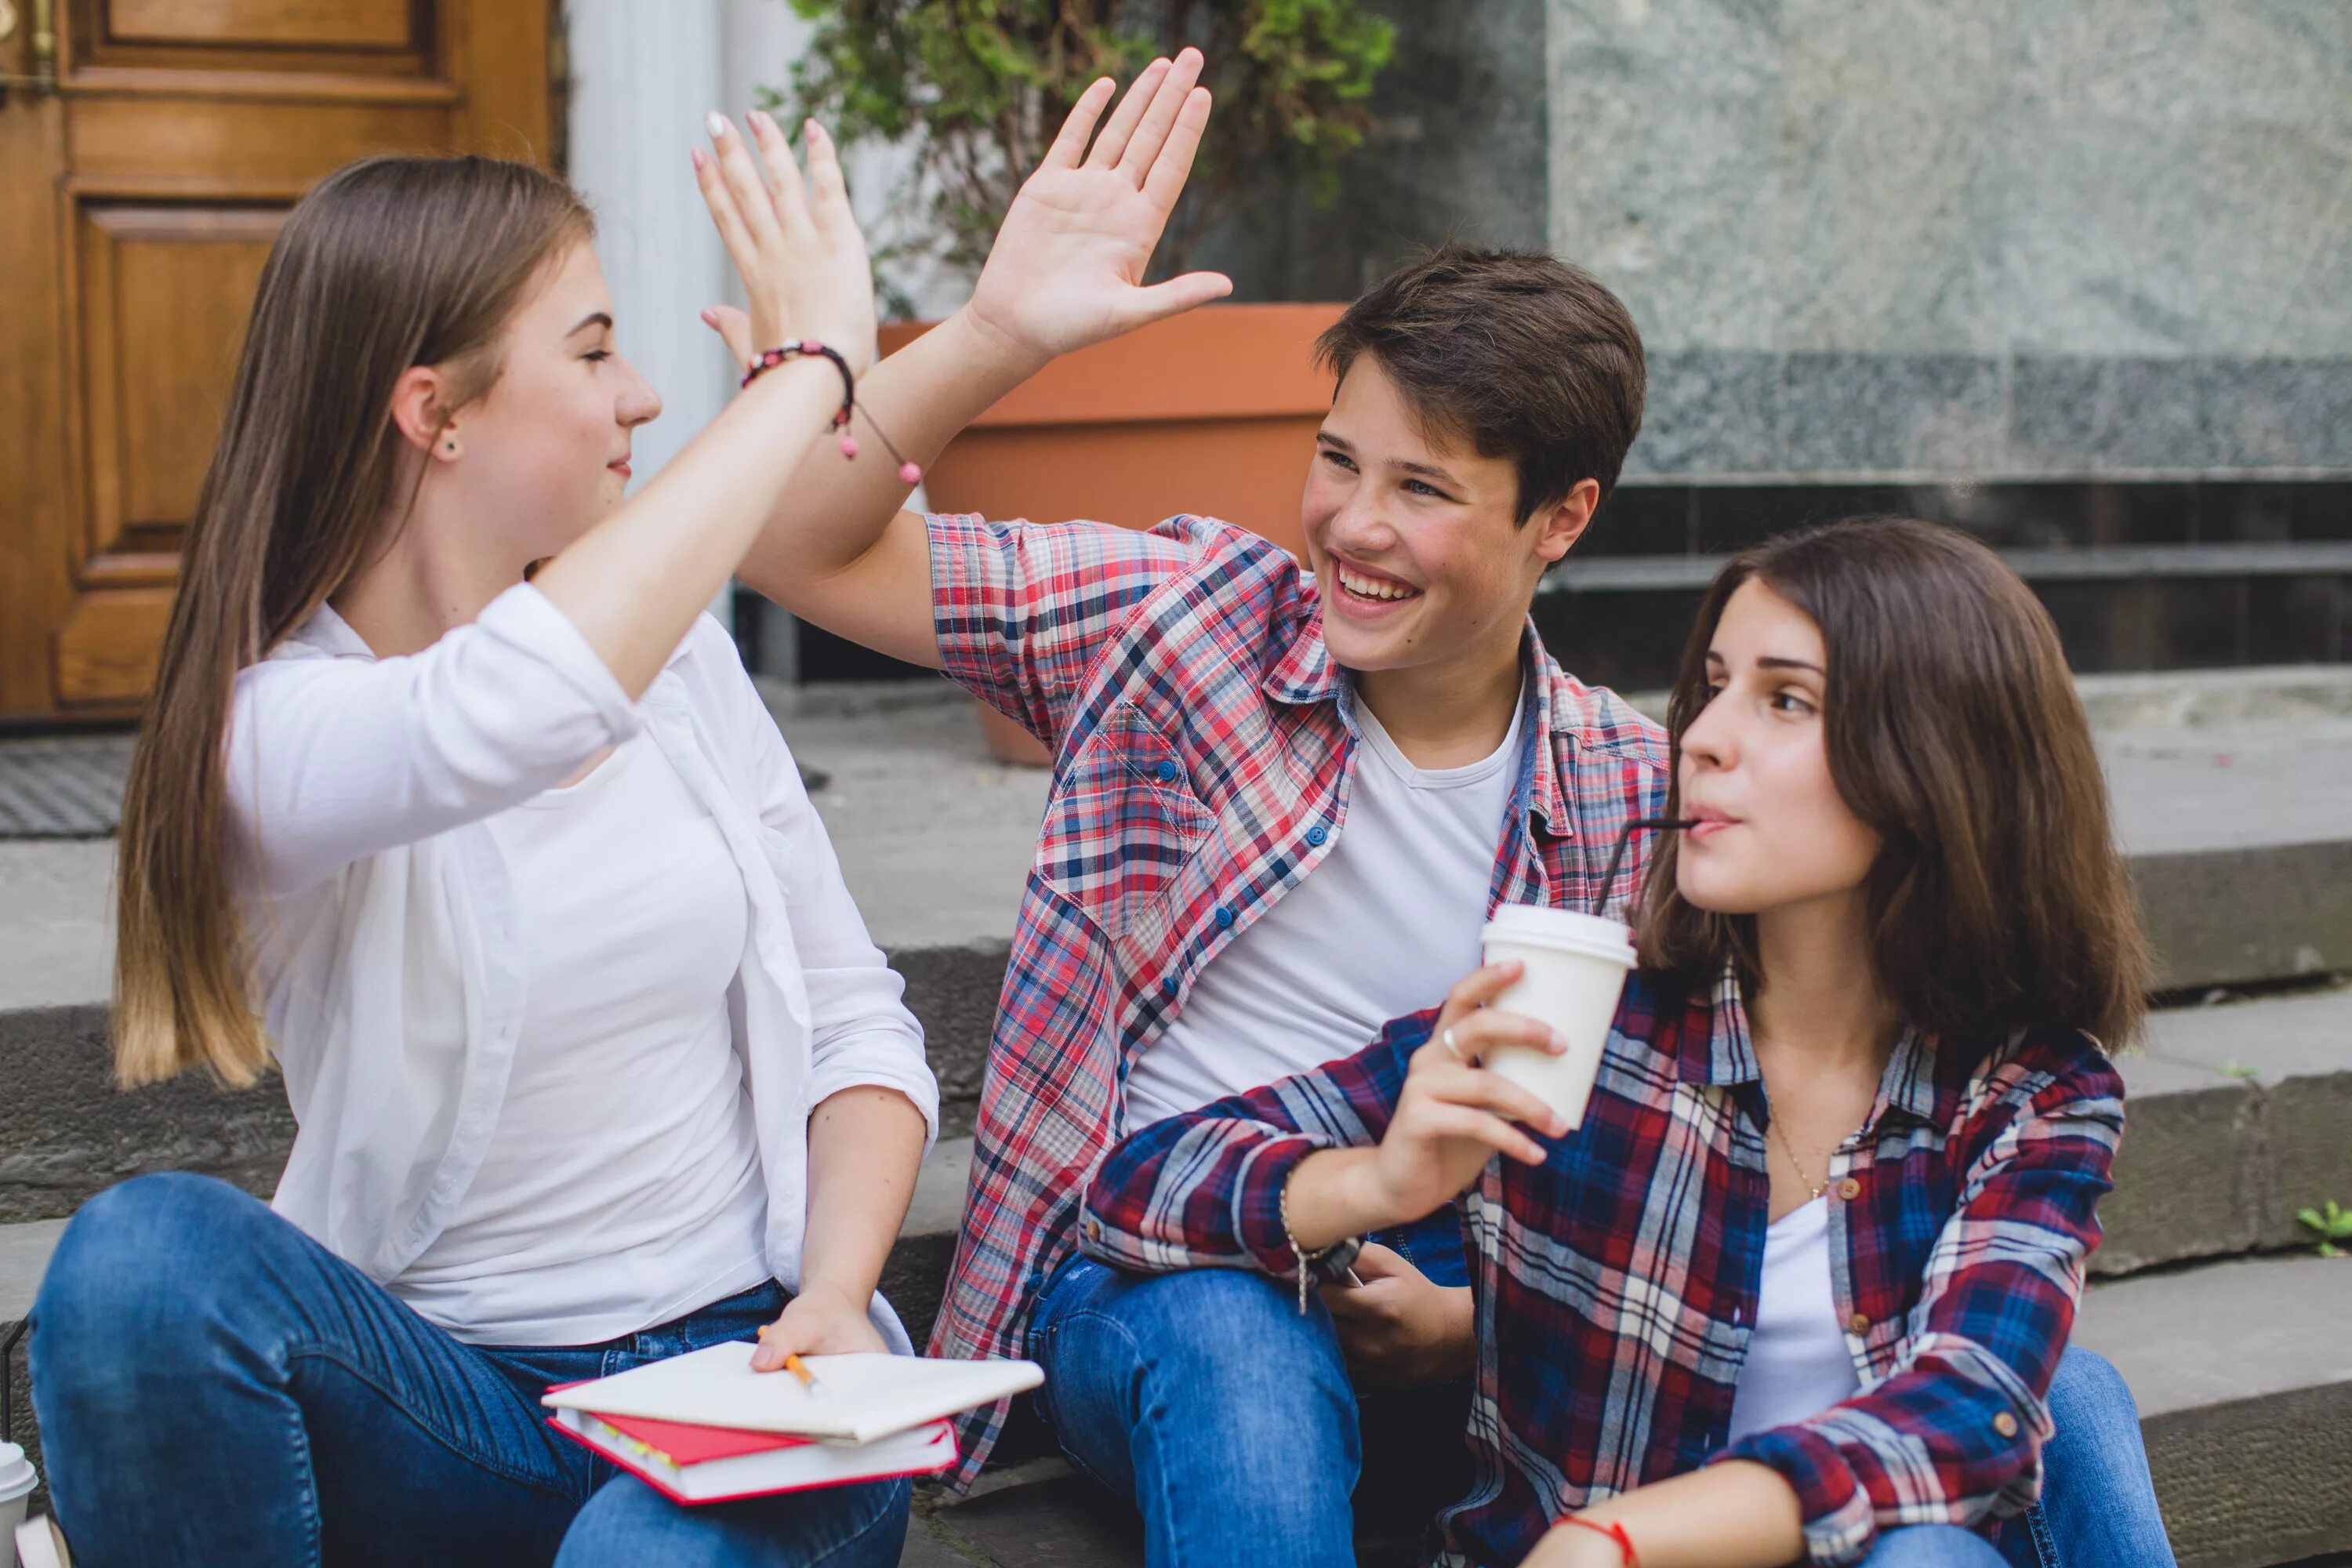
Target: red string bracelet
{"type": "Point", "coordinates": [1613, 1530]}
{"type": "Point", "coordinates": [908, 473]}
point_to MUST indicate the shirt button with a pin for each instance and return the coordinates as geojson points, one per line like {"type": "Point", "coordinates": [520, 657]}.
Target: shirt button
{"type": "Point", "coordinates": [1849, 1189]}
{"type": "Point", "coordinates": [1094, 1232]}
{"type": "Point", "coordinates": [1859, 1324]}
{"type": "Point", "coordinates": [1167, 773]}
{"type": "Point", "coordinates": [2005, 1423]}
{"type": "Point", "coordinates": [1169, 987]}
{"type": "Point", "coordinates": [1225, 917]}
{"type": "Point", "coordinates": [1317, 834]}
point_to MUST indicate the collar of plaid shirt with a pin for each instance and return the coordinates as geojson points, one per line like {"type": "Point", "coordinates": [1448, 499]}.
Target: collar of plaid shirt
{"type": "Point", "coordinates": [1204, 757]}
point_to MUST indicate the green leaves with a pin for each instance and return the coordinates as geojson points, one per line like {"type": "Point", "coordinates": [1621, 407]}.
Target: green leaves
{"type": "Point", "coordinates": [2334, 1225]}
{"type": "Point", "coordinates": [976, 89]}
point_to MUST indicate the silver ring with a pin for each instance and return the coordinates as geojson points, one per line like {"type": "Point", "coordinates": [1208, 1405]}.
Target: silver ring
{"type": "Point", "coordinates": [1446, 1039]}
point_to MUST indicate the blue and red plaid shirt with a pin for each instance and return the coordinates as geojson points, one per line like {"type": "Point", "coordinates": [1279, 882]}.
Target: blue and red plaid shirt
{"type": "Point", "coordinates": [1616, 1284]}
{"type": "Point", "coordinates": [1203, 743]}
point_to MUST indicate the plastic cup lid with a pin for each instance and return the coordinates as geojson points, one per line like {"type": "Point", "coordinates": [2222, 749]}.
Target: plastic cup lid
{"type": "Point", "coordinates": [1540, 926]}
{"type": "Point", "coordinates": [16, 1476]}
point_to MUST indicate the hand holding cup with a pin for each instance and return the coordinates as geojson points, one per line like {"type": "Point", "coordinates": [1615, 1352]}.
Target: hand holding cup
{"type": "Point", "coordinates": [1455, 1114]}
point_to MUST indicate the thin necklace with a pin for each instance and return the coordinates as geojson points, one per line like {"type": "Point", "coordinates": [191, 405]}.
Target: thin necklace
{"type": "Point", "coordinates": [1799, 1165]}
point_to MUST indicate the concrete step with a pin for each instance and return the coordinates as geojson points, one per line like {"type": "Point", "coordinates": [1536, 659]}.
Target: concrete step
{"type": "Point", "coordinates": [2243, 1371]}
{"type": "Point", "coordinates": [2237, 1113]}
{"type": "Point", "coordinates": [2243, 1375]}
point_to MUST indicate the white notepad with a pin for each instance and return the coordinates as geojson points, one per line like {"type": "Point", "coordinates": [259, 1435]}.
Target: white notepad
{"type": "Point", "coordinates": [864, 1396]}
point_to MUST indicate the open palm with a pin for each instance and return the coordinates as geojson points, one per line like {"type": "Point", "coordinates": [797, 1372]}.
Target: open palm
{"type": "Point", "coordinates": [1067, 267]}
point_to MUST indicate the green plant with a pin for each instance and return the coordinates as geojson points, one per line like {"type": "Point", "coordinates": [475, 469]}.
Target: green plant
{"type": "Point", "coordinates": [981, 86]}
{"type": "Point", "coordinates": [2334, 1225]}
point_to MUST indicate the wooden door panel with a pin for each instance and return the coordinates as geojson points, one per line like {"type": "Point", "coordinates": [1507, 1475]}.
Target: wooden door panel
{"type": "Point", "coordinates": [137, 204]}
{"type": "Point", "coordinates": [347, 24]}
{"type": "Point", "coordinates": [154, 146]}
{"type": "Point", "coordinates": [286, 36]}
{"type": "Point", "coordinates": [164, 294]}
{"type": "Point", "coordinates": [104, 655]}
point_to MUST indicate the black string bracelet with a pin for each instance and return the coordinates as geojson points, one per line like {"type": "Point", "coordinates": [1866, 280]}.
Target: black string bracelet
{"type": "Point", "coordinates": [908, 473]}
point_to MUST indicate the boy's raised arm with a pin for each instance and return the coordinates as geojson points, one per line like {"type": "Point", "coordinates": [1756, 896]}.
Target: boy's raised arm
{"type": "Point", "coordinates": [1066, 270]}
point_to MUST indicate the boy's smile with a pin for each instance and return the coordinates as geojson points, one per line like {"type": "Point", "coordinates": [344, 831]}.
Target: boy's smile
{"type": "Point", "coordinates": [1414, 537]}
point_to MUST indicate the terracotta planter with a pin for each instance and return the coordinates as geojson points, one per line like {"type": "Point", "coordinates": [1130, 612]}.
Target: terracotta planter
{"type": "Point", "coordinates": [1212, 412]}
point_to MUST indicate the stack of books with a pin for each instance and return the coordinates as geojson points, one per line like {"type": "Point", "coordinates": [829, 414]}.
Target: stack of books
{"type": "Point", "coordinates": [704, 1427]}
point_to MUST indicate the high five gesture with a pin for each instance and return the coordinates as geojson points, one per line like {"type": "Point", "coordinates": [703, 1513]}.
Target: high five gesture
{"type": "Point", "coordinates": [1066, 270]}
{"type": "Point", "coordinates": [1067, 267]}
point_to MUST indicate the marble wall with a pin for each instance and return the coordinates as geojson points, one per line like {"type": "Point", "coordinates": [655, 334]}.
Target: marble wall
{"type": "Point", "coordinates": [2003, 238]}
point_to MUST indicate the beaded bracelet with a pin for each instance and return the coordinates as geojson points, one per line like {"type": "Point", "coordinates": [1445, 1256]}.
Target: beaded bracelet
{"type": "Point", "coordinates": [1331, 1264]}
{"type": "Point", "coordinates": [1613, 1530]}
{"type": "Point", "coordinates": [908, 473]}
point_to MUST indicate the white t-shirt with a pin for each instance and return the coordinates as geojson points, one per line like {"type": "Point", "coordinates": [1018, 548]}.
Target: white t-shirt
{"type": "Point", "coordinates": [1798, 1364]}
{"type": "Point", "coordinates": [1382, 926]}
{"type": "Point", "coordinates": [622, 1187]}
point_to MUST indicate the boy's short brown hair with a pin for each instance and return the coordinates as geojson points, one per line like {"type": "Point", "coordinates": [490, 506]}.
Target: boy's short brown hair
{"type": "Point", "coordinates": [1517, 354]}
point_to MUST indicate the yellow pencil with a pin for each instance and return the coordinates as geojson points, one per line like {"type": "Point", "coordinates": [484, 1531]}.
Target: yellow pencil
{"type": "Point", "coordinates": [799, 1368]}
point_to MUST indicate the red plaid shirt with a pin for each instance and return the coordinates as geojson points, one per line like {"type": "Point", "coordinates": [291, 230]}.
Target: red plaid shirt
{"type": "Point", "coordinates": [1203, 743]}
{"type": "Point", "coordinates": [1616, 1284]}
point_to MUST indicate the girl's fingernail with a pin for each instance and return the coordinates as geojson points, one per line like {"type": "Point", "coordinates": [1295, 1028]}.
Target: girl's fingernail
{"type": "Point", "coordinates": [717, 121]}
{"type": "Point", "coordinates": [697, 155]}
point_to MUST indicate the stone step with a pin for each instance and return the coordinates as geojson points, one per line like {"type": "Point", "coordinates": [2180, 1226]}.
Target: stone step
{"type": "Point", "coordinates": [2237, 1117]}
{"type": "Point", "coordinates": [2235, 1124]}
{"type": "Point", "coordinates": [2243, 1375]}
{"type": "Point", "coordinates": [2241, 1369]}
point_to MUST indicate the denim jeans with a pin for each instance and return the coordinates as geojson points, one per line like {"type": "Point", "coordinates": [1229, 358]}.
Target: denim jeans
{"type": "Point", "coordinates": [217, 1388]}
{"type": "Point", "coordinates": [1138, 1368]}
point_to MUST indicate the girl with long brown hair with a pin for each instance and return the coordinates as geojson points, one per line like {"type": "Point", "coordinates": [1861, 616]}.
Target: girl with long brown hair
{"type": "Point", "coordinates": [593, 1059]}
{"type": "Point", "coordinates": [1797, 1288]}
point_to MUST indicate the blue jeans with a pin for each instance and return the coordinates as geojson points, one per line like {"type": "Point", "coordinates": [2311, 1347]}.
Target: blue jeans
{"type": "Point", "coordinates": [217, 1388]}
{"type": "Point", "coordinates": [1139, 1366]}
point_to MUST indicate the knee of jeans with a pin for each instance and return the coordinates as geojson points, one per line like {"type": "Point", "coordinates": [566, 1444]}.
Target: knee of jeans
{"type": "Point", "coordinates": [1237, 1341]}
{"type": "Point", "coordinates": [2087, 1393]}
{"type": "Point", "coordinates": [141, 1259]}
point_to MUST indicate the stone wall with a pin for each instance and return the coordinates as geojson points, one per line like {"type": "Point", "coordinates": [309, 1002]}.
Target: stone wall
{"type": "Point", "coordinates": [2003, 239]}
{"type": "Point", "coordinates": [2014, 237]}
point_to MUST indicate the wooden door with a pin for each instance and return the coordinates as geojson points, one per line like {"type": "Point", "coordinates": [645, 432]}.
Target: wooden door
{"type": "Point", "coordinates": [137, 197]}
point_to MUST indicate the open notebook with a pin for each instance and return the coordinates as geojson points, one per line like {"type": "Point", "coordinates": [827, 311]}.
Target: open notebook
{"type": "Point", "coordinates": [864, 1397]}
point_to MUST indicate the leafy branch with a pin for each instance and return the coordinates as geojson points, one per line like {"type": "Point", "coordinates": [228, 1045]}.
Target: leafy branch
{"type": "Point", "coordinates": [976, 89]}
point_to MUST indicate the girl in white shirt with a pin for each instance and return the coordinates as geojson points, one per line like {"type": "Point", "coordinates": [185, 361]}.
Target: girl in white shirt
{"type": "Point", "coordinates": [592, 1058]}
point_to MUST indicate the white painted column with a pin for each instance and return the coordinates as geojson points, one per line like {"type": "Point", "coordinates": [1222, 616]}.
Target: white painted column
{"type": "Point", "coordinates": [642, 77]}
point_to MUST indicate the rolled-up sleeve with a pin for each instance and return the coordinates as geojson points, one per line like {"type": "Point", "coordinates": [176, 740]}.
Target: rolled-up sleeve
{"type": "Point", "coordinates": [331, 760]}
{"type": "Point", "coordinates": [1204, 1189]}
{"type": "Point", "coordinates": [1020, 609]}
{"type": "Point", "coordinates": [1953, 1435]}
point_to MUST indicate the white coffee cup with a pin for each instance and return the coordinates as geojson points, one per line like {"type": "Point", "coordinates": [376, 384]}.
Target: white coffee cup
{"type": "Point", "coordinates": [1575, 969]}
{"type": "Point", "coordinates": [16, 1483]}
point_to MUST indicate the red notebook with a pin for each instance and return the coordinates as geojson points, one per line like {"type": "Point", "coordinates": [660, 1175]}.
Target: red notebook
{"type": "Point", "coordinates": [722, 1464]}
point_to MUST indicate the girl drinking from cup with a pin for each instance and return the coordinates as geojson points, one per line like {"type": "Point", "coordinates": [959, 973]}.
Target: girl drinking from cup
{"type": "Point", "coordinates": [1796, 1287]}
{"type": "Point", "coordinates": [593, 1060]}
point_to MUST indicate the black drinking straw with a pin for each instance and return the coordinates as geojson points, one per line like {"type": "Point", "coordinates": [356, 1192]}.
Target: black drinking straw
{"type": "Point", "coordinates": [1617, 856]}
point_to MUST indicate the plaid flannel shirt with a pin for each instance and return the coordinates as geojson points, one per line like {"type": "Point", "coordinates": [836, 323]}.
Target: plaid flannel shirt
{"type": "Point", "coordinates": [1616, 1284]}
{"type": "Point", "coordinates": [1203, 743]}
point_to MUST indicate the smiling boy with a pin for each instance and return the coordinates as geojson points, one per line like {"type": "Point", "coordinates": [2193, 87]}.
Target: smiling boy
{"type": "Point", "coordinates": [1285, 798]}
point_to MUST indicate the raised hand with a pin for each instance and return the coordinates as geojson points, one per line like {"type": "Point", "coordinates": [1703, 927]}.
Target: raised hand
{"type": "Point", "coordinates": [1067, 267]}
{"type": "Point", "coordinates": [794, 240]}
